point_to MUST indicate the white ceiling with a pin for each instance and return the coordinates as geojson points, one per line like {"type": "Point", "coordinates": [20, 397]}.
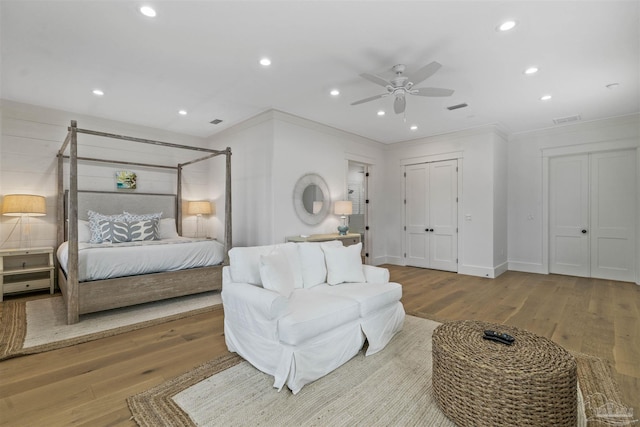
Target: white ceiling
{"type": "Point", "coordinates": [202, 56]}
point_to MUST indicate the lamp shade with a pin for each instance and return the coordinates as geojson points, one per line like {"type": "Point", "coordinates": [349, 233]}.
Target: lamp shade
{"type": "Point", "coordinates": [199, 208]}
{"type": "Point", "coordinates": [23, 205]}
{"type": "Point", "coordinates": [343, 207]}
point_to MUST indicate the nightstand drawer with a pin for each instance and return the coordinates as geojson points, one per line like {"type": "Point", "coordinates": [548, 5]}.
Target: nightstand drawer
{"type": "Point", "coordinates": [27, 285]}
{"type": "Point", "coordinates": [350, 241]}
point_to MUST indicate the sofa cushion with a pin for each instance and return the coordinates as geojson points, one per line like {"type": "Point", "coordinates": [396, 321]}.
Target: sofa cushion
{"type": "Point", "coordinates": [312, 263]}
{"type": "Point", "coordinates": [370, 296]}
{"type": "Point", "coordinates": [313, 313]}
{"type": "Point", "coordinates": [344, 264]}
{"type": "Point", "coordinates": [276, 273]}
{"type": "Point", "coordinates": [245, 262]}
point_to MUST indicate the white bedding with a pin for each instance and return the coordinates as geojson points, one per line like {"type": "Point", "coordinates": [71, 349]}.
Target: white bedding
{"type": "Point", "coordinates": [104, 261]}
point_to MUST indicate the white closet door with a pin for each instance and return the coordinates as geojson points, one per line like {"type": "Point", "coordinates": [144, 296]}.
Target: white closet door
{"type": "Point", "coordinates": [592, 215]}
{"type": "Point", "coordinates": [443, 215]}
{"type": "Point", "coordinates": [431, 215]}
{"type": "Point", "coordinates": [417, 215]}
{"type": "Point", "coordinates": [613, 207]}
{"type": "Point", "coordinates": [569, 215]}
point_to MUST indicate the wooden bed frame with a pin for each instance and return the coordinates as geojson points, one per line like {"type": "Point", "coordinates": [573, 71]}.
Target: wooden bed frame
{"type": "Point", "coordinates": [89, 297]}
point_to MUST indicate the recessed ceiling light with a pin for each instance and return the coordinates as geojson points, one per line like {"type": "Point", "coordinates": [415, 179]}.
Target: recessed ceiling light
{"type": "Point", "coordinates": [613, 86]}
{"type": "Point", "coordinates": [381, 113]}
{"type": "Point", "coordinates": [414, 127]}
{"type": "Point", "coordinates": [148, 11]}
{"type": "Point", "coordinates": [334, 92]}
{"type": "Point", "coordinates": [98, 92]}
{"type": "Point", "coordinates": [506, 26]}
{"type": "Point", "coordinates": [182, 112]}
{"type": "Point", "coordinates": [531, 70]}
{"type": "Point", "coordinates": [545, 97]}
{"type": "Point", "coordinates": [265, 62]}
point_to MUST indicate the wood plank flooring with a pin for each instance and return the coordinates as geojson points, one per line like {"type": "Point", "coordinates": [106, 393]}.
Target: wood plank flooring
{"type": "Point", "coordinates": [87, 384]}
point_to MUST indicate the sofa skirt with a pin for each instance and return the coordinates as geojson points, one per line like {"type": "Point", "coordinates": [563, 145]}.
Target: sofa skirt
{"type": "Point", "coordinates": [298, 365]}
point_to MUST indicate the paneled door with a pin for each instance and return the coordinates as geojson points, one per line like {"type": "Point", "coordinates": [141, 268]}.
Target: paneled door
{"type": "Point", "coordinates": [431, 215]}
{"type": "Point", "coordinates": [592, 217]}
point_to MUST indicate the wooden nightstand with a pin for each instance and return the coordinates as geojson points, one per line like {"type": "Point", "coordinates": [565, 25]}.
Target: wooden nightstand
{"type": "Point", "coordinates": [347, 239]}
{"type": "Point", "coordinates": [26, 270]}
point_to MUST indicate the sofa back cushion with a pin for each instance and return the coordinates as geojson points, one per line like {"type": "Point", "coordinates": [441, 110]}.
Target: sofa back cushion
{"type": "Point", "coordinates": [344, 264]}
{"type": "Point", "coordinates": [312, 262]}
{"type": "Point", "coordinates": [244, 262]}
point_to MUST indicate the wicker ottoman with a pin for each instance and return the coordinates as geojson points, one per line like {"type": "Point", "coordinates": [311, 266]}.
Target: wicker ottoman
{"type": "Point", "coordinates": [478, 382]}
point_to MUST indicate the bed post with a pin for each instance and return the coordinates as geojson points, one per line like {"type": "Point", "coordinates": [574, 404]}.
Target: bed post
{"type": "Point", "coordinates": [72, 282]}
{"type": "Point", "coordinates": [60, 203]}
{"type": "Point", "coordinates": [227, 210]}
{"type": "Point", "coordinates": [179, 201]}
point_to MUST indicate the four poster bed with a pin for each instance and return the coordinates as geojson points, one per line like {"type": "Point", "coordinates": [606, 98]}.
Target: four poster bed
{"type": "Point", "coordinates": [122, 270]}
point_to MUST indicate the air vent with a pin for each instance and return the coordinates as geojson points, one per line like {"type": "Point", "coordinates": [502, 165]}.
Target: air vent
{"type": "Point", "coordinates": [455, 107]}
{"type": "Point", "coordinates": [215, 121]}
{"type": "Point", "coordinates": [567, 119]}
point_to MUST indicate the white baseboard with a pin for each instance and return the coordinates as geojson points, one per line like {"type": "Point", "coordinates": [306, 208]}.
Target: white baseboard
{"type": "Point", "coordinates": [527, 267]}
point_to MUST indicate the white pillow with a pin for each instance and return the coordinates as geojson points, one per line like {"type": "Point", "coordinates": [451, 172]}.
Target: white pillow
{"type": "Point", "coordinates": [290, 250]}
{"type": "Point", "coordinates": [244, 263]}
{"type": "Point", "coordinates": [167, 228]}
{"type": "Point", "coordinates": [276, 273]}
{"type": "Point", "coordinates": [344, 264]}
{"type": "Point", "coordinates": [312, 263]}
{"type": "Point", "coordinates": [84, 233]}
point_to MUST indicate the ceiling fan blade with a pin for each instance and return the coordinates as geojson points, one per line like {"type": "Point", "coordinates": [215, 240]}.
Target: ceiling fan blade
{"type": "Point", "coordinates": [432, 91]}
{"type": "Point", "coordinates": [399, 104]}
{"type": "Point", "coordinates": [375, 79]}
{"type": "Point", "coordinates": [424, 73]}
{"type": "Point", "coordinates": [371, 98]}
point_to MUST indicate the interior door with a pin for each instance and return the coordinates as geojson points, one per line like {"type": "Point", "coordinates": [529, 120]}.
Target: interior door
{"type": "Point", "coordinates": [417, 215]}
{"type": "Point", "coordinates": [613, 207]}
{"type": "Point", "coordinates": [569, 215]}
{"type": "Point", "coordinates": [431, 215]}
{"type": "Point", "coordinates": [443, 215]}
{"type": "Point", "coordinates": [592, 215]}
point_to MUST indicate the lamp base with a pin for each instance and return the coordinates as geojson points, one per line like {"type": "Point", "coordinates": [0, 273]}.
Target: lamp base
{"type": "Point", "coordinates": [343, 229]}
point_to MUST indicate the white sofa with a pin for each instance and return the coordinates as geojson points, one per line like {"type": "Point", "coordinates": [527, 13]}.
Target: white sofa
{"type": "Point", "coordinates": [298, 311]}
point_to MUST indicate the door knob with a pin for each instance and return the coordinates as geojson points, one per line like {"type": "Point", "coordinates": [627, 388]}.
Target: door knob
{"type": "Point", "coordinates": [584, 231]}
{"type": "Point", "coordinates": [431, 229]}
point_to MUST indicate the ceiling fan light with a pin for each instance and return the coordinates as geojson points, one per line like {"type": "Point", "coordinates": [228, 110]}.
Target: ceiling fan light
{"type": "Point", "coordinates": [414, 127]}
{"type": "Point", "coordinates": [265, 62]}
{"type": "Point", "coordinates": [506, 26]}
{"type": "Point", "coordinates": [531, 70]}
{"type": "Point", "coordinates": [98, 92]}
{"type": "Point", "coordinates": [545, 97]}
{"type": "Point", "coordinates": [334, 92]}
{"type": "Point", "coordinates": [148, 11]}
{"type": "Point", "coordinates": [381, 113]}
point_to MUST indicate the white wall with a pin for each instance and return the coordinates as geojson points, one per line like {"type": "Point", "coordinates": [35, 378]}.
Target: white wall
{"type": "Point", "coordinates": [477, 152]}
{"type": "Point", "coordinates": [31, 137]}
{"type": "Point", "coordinates": [525, 190]}
{"type": "Point", "coordinates": [270, 153]}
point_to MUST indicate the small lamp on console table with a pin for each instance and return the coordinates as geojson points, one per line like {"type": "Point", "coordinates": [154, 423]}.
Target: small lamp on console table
{"type": "Point", "coordinates": [199, 208]}
{"type": "Point", "coordinates": [24, 205]}
{"type": "Point", "coordinates": [343, 208]}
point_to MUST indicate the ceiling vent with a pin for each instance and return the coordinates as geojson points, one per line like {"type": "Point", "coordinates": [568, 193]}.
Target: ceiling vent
{"type": "Point", "coordinates": [455, 107]}
{"type": "Point", "coordinates": [567, 119]}
{"type": "Point", "coordinates": [215, 121]}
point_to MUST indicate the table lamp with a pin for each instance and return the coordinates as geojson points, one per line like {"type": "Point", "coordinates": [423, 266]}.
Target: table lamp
{"type": "Point", "coordinates": [199, 208]}
{"type": "Point", "coordinates": [343, 208]}
{"type": "Point", "coordinates": [24, 205]}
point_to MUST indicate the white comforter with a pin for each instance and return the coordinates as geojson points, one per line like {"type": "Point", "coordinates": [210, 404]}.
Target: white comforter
{"type": "Point", "coordinates": [104, 261]}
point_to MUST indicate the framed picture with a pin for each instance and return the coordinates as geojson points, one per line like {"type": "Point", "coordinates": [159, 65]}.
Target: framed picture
{"type": "Point", "coordinates": [126, 180]}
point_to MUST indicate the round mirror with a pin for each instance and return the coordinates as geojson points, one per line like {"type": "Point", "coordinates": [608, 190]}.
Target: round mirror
{"type": "Point", "coordinates": [311, 199]}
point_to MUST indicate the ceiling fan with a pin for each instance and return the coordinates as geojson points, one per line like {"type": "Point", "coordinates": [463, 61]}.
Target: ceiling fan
{"type": "Point", "coordinates": [402, 85]}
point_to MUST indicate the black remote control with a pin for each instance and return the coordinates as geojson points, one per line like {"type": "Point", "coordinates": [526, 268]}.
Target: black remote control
{"type": "Point", "coordinates": [498, 337]}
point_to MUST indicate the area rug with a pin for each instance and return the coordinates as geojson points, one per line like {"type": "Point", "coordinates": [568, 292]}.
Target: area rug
{"type": "Point", "coordinates": [392, 387]}
{"type": "Point", "coordinates": [40, 325]}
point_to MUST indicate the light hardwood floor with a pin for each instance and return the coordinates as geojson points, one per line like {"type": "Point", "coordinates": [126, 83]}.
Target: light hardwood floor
{"type": "Point", "coordinates": [87, 384]}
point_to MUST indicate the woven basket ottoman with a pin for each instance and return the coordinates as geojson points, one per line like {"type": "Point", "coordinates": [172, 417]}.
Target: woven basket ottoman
{"type": "Point", "coordinates": [478, 382]}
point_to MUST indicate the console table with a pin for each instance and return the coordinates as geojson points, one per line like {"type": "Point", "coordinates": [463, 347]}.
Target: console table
{"type": "Point", "coordinates": [347, 239]}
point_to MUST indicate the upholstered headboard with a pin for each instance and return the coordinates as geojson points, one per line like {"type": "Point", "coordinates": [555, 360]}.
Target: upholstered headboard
{"type": "Point", "coordinates": [114, 203]}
